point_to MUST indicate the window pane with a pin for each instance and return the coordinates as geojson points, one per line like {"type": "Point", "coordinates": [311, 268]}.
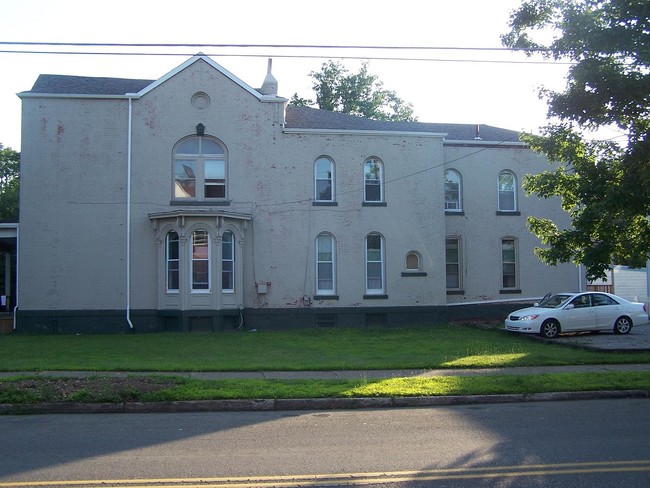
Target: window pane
{"type": "Point", "coordinates": [509, 267]}
{"type": "Point", "coordinates": [228, 261]}
{"type": "Point", "coordinates": [453, 277]}
{"type": "Point", "coordinates": [211, 147]}
{"type": "Point", "coordinates": [325, 263]}
{"type": "Point", "coordinates": [506, 182]}
{"type": "Point", "coordinates": [506, 200]}
{"type": "Point", "coordinates": [373, 176]}
{"type": "Point", "coordinates": [185, 179]}
{"type": "Point", "coordinates": [412, 261]}
{"type": "Point", "coordinates": [324, 190]}
{"type": "Point", "coordinates": [324, 169]}
{"type": "Point", "coordinates": [452, 190]}
{"type": "Point", "coordinates": [172, 262]}
{"type": "Point", "coordinates": [452, 257]}
{"type": "Point", "coordinates": [190, 146]}
{"type": "Point", "coordinates": [200, 260]}
{"type": "Point", "coordinates": [374, 276]}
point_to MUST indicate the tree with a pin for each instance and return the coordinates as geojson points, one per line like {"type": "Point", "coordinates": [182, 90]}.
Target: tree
{"type": "Point", "coordinates": [356, 94]}
{"type": "Point", "coordinates": [603, 185]}
{"type": "Point", "coordinates": [9, 184]}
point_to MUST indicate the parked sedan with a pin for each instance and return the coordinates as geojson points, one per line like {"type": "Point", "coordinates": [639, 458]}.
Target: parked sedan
{"type": "Point", "coordinates": [573, 312]}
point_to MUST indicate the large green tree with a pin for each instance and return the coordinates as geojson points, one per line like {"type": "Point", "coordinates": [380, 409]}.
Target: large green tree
{"type": "Point", "coordinates": [360, 93]}
{"type": "Point", "coordinates": [9, 184]}
{"type": "Point", "coordinates": [603, 184]}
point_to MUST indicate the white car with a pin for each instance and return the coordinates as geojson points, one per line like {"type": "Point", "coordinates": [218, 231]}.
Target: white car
{"type": "Point", "coordinates": [574, 312]}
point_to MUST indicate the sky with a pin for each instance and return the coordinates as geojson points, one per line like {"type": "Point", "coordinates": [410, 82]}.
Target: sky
{"type": "Point", "coordinates": [447, 85]}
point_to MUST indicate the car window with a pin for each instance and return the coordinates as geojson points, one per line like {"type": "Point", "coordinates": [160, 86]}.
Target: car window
{"type": "Point", "coordinates": [581, 301]}
{"type": "Point", "coordinates": [555, 301]}
{"type": "Point", "coordinates": [600, 300]}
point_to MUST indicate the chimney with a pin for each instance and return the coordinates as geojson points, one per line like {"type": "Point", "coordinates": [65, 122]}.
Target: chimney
{"type": "Point", "coordinates": [478, 132]}
{"type": "Point", "coordinates": [270, 85]}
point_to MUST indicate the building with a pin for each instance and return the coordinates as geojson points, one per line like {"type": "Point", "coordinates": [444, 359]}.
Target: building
{"type": "Point", "coordinates": [196, 202]}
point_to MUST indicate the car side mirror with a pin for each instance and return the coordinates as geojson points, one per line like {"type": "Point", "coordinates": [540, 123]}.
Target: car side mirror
{"type": "Point", "coordinates": [536, 304]}
{"type": "Point", "coordinates": [569, 306]}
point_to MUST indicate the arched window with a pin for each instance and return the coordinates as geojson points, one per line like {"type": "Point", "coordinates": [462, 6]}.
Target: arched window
{"type": "Point", "coordinates": [324, 180]}
{"type": "Point", "coordinates": [413, 261]}
{"type": "Point", "coordinates": [374, 264]}
{"type": "Point", "coordinates": [200, 261]}
{"type": "Point", "coordinates": [200, 169]}
{"type": "Point", "coordinates": [228, 262]}
{"type": "Point", "coordinates": [453, 191]}
{"type": "Point", "coordinates": [373, 171]}
{"type": "Point", "coordinates": [172, 262]}
{"type": "Point", "coordinates": [507, 191]}
{"type": "Point", "coordinates": [325, 264]}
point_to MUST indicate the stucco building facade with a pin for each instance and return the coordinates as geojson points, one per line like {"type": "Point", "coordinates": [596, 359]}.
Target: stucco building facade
{"type": "Point", "coordinates": [196, 202]}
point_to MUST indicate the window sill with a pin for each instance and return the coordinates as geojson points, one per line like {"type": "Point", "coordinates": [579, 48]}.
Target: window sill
{"type": "Point", "coordinates": [324, 204]}
{"type": "Point", "coordinates": [202, 203]}
{"type": "Point", "coordinates": [375, 297]}
{"type": "Point", "coordinates": [459, 213]}
{"type": "Point", "coordinates": [374, 204]}
{"type": "Point", "coordinates": [455, 292]}
{"type": "Point", "coordinates": [414, 273]}
{"type": "Point", "coordinates": [510, 291]}
{"type": "Point", "coordinates": [508, 212]}
{"type": "Point", "coordinates": [326, 297]}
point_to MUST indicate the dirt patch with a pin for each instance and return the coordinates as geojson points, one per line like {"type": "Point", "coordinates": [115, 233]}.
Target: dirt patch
{"type": "Point", "coordinates": [86, 389]}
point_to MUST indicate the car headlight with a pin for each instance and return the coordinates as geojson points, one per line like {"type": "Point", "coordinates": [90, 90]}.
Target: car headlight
{"type": "Point", "coordinates": [532, 316]}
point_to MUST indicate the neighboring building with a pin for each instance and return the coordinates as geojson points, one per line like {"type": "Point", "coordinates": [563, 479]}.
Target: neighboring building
{"type": "Point", "coordinates": [195, 202]}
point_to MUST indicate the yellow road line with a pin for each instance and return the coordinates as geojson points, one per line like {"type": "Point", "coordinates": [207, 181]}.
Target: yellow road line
{"type": "Point", "coordinates": [289, 481]}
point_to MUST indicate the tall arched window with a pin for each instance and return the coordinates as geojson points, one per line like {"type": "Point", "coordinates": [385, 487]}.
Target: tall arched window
{"type": "Point", "coordinates": [453, 191]}
{"type": "Point", "coordinates": [325, 264]}
{"type": "Point", "coordinates": [172, 262]}
{"type": "Point", "coordinates": [374, 264]}
{"type": "Point", "coordinates": [200, 261]}
{"type": "Point", "coordinates": [373, 171]}
{"type": "Point", "coordinates": [200, 169]}
{"type": "Point", "coordinates": [228, 262]}
{"type": "Point", "coordinates": [324, 180]}
{"type": "Point", "coordinates": [507, 191]}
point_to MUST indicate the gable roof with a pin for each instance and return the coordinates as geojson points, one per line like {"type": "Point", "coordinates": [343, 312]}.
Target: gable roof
{"type": "Point", "coordinates": [296, 118]}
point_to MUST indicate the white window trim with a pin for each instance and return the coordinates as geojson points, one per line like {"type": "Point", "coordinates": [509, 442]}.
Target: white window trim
{"type": "Point", "coordinates": [375, 291]}
{"type": "Point", "coordinates": [460, 190]}
{"type": "Point", "coordinates": [381, 180]}
{"type": "Point", "coordinates": [331, 179]}
{"type": "Point", "coordinates": [320, 291]}
{"type": "Point", "coordinates": [200, 291]}
{"type": "Point", "coordinates": [514, 191]}
{"type": "Point", "coordinates": [233, 260]}
{"type": "Point", "coordinates": [515, 244]}
{"type": "Point", "coordinates": [172, 291]}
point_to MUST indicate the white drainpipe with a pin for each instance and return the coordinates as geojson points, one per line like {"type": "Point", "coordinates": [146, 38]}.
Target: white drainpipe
{"type": "Point", "coordinates": [128, 218]}
{"type": "Point", "coordinates": [16, 290]}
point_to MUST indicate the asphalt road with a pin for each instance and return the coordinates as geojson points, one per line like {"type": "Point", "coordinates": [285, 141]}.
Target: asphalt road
{"type": "Point", "coordinates": [570, 444]}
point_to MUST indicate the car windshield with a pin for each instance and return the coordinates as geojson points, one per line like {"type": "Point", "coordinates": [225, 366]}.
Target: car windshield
{"type": "Point", "coordinates": [555, 301]}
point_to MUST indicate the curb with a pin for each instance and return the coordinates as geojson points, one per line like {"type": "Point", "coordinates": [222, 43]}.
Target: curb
{"type": "Point", "coordinates": [308, 403]}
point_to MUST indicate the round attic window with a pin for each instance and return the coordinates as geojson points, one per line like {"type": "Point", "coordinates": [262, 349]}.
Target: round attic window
{"type": "Point", "coordinates": [200, 100]}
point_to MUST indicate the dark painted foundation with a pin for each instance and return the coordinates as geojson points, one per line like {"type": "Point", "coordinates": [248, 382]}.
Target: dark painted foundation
{"type": "Point", "coordinates": [146, 321]}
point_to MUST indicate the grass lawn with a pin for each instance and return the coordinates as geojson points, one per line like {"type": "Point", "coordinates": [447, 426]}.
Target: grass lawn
{"type": "Point", "coordinates": [309, 349]}
{"type": "Point", "coordinates": [443, 346]}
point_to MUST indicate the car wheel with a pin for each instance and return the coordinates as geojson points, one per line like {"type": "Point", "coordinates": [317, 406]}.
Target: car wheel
{"type": "Point", "coordinates": [623, 325]}
{"type": "Point", "coordinates": [550, 329]}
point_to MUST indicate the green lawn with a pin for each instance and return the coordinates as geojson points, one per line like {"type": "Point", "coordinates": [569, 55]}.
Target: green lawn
{"type": "Point", "coordinates": [308, 349]}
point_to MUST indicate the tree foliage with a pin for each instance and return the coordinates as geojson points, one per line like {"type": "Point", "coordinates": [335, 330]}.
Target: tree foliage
{"type": "Point", "coordinates": [361, 94]}
{"type": "Point", "coordinates": [9, 184]}
{"type": "Point", "coordinates": [603, 185]}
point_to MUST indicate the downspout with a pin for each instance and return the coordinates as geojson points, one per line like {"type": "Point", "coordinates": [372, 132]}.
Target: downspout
{"type": "Point", "coordinates": [128, 218]}
{"type": "Point", "coordinates": [16, 290]}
